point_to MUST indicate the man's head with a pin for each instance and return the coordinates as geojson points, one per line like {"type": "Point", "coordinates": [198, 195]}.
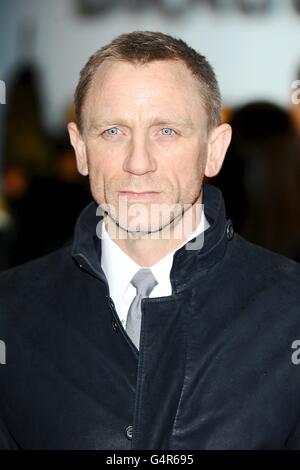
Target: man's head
{"type": "Point", "coordinates": [148, 120]}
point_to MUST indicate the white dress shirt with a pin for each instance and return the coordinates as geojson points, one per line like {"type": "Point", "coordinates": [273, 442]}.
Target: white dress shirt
{"type": "Point", "coordinates": [119, 269]}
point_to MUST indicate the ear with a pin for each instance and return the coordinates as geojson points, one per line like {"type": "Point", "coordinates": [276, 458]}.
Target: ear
{"type": "Point", "coordinates": [218, 142]}
{"type": "Point", "coordinates": [79, 147]}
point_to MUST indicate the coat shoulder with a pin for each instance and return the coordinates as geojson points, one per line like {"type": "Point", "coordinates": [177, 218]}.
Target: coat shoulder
{"type": "Point", "coordinates": [265, 267]}
{"type": "Point", "coordinates": [35, 275]}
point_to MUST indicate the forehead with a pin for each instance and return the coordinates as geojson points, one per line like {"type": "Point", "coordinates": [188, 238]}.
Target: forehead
{"type": "Point", "coordinates": [158, 86]}
{"type": "Point", "coordinates": [168, 69]}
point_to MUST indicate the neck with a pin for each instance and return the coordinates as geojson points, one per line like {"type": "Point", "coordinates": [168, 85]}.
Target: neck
{"type": "Point", "coordinates": [147, 250]}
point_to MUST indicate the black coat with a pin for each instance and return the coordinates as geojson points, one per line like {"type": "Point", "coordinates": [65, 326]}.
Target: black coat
{"type": "Point", "coordinates": [214, 369]}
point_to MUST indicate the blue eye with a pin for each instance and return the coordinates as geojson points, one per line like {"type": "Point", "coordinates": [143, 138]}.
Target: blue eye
{"type": "Point", "coordinates": [167, 131]}
{"type": "Point", "coordinates": [112, 131]}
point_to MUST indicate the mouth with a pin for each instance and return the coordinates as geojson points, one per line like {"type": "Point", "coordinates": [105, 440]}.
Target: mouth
{"type": "Point", "coordinates": [141, 195]}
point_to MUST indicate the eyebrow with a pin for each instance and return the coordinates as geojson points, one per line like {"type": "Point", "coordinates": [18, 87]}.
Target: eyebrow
{"type": "Point", "coordinates": [99, 123]}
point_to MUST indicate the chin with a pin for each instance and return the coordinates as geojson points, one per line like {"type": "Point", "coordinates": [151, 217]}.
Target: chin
{"type": "Point", "coordinates": [142, 228]}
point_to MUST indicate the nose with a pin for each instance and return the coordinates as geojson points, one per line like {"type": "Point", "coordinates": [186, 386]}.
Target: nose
{"type": "Point", "coordinates": [139, 159]}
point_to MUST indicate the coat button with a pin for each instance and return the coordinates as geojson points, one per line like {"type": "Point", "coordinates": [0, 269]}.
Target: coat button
{"type": "Point", "coordinates": [114, 325]}
{"type": "Point", "coordinates": [128, 432]}
{"type": "Point", "coordinates": [229, 230]}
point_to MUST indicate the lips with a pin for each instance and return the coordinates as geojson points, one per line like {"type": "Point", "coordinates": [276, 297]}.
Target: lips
{"type": "Point", "coordinates": [138, 192]}
{"type": "Point", "coordinates": [139, 195]}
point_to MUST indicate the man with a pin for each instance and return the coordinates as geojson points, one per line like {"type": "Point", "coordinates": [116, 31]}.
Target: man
{"type": "Point", "coordinates": [206, 361]}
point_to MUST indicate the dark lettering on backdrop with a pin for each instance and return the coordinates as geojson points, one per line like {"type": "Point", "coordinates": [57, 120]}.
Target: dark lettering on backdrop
{"type": "Point", "coordinates": [179, 7]}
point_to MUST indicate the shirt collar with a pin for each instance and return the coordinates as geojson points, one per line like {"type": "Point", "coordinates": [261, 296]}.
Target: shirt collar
{"type": "Point", "coordinates": [86, 249]}
{"type": "Point", "coordinates": [117, 265]}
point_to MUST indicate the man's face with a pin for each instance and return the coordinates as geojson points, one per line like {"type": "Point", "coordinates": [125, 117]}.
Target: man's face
{"type": "Point", "coordinates": [144, 130]}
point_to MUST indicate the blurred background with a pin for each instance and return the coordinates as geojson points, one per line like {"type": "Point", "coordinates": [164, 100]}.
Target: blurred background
{"type": "Point", "coordinates": [254, 47]}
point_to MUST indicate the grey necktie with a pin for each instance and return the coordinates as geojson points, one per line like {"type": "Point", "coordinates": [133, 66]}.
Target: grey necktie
{"type": "Point", "coordinates": [144, 282]}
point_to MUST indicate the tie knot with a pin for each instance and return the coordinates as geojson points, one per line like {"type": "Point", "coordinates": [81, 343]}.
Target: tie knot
{"type": "Point", "coordinates": [144, 281]}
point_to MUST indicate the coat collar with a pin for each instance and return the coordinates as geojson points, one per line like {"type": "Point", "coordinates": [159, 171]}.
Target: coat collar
{"type": "Point", "coordinates": [203, 253]}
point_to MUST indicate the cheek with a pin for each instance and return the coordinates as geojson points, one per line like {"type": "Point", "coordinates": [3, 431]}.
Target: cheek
{"type": "Point", "coordinates": [104, 161]}
{"type": "Point", "coordinates": [189, 163]}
